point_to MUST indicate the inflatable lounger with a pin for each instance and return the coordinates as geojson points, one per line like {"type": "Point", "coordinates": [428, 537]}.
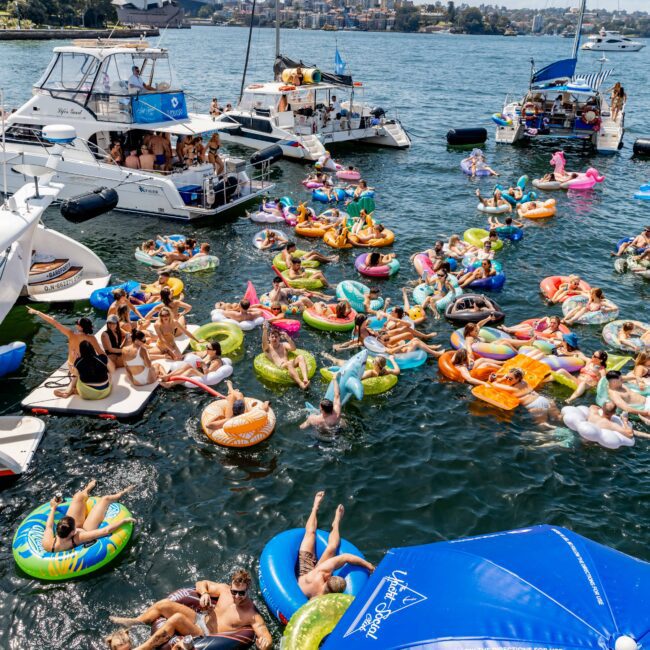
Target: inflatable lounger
{"type": "Point", "coordinates": [125, 400]}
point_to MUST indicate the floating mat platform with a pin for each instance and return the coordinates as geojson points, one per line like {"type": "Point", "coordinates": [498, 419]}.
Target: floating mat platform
{"type": "Point", "coordinates": [125, 400]}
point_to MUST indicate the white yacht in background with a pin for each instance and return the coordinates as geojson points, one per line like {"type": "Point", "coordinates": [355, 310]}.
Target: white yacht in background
{"type": "Point", "coordinates": [606, 41]}
{"type": "Point", "coordinates": [560, 105]}
{"type": "Point", "coordinates": [86, 86]}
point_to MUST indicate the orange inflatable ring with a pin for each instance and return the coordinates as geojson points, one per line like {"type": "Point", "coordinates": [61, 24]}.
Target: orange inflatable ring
{"type": "Point", "coordinates": [543, 211]}
{"type": "Point", "coordinates": [331, 238]}
{"type": "Point", "coordinates": [244, 430]}
{"type": "Point", "coordinates": [312, 229]}
{"type": "Point", "coordinates": [387, 240]}
{"type": "Point", "coordinates": [549, 286]}
{"type": "Point", "coordinates": [450, 371]}
{"type": "Point", "coordinates": [287, 88]}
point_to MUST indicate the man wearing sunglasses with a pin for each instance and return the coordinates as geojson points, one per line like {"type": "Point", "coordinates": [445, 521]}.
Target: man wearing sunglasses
{"type": "Point", "coordinates": [224, 608]}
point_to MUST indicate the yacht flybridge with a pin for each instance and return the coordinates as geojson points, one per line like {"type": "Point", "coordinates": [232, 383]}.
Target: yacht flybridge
{"type": "Point", "coordinates": [306, 119]}
{"type": "Point", "coordinates": [606, 41]}
{"type": "Point", "coordinates": [113, 92]}
{"type": "Point", "coordinates": [562, 105]}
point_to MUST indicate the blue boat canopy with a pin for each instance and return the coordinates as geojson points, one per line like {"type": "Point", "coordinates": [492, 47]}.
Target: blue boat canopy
{"type": "Point", "coordinates": [562, 69]}
{"type": "Point", "coordinates": [539, 588]}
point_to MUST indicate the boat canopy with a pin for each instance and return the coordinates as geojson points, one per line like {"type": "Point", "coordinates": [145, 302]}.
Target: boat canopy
{"type": "Point", "coordinates": [282, 63]}
{"type": "Point", "coordinates": [195, 124]}
{"type": "Point", "coordinates": [563, 69]}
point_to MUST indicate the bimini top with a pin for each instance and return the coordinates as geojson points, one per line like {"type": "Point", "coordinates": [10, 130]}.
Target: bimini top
{"type": "Point", "coordinates": [276, 88]}
{"type": "Point", "coordinates": [538, 588]}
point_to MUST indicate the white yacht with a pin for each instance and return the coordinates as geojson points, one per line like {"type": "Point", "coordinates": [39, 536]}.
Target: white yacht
{"type": "Point", "coordinates": [561, 105]}
{"type": "Point", "coordinates": [86, 86]}
{"type": "Point", "coordinates": [606, 41]}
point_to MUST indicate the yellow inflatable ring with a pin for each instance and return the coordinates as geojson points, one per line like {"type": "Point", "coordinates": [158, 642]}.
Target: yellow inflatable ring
{"type": "Point", "coordinates": [387, 240]}
{"type": "Point", "coordinates": [240, 437]}
{"type": "Point", "coordinates": [312, 229]}
{"type": "Point", "coordinates": [175, 284]}
{"type": "Point", "coordinates": [229, 335]}
{"type": "Point", "coordinates": [543, 211]}
{"type": "Point", "coordinates": [269, 371]}
{"type": "Point", "coordinates": [331, 238]}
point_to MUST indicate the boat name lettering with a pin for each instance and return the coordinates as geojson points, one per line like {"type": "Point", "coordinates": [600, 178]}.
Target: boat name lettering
{"type": "Point", "coordinates": [147, 190]}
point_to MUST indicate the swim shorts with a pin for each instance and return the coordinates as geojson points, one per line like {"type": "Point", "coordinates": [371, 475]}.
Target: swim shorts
{"type": "Point", "coordinates": [306, 562]}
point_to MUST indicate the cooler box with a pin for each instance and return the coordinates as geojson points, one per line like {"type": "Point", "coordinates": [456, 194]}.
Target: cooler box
{"type": "Point", "coordinates": [190, 194]}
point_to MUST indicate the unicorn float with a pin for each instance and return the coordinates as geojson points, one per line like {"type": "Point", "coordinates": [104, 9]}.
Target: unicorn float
{"type": "Point", "coordinates": [573, 180]}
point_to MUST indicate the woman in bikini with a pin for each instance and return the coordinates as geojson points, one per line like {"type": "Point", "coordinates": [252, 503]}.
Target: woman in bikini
{"type": "Point", "coordinates": [589, 376]}
{"type": "Point", "coordinates": [136, 361]}
{"type": "Point", "coordinates": [213, 154]}
{"type": "Point", "coordinates": [121, 298]}
{"type": "Point", "coordinates": [178, 308]}
{"type": "Point", "coordinates": [596, 302]}
{"type": "Point", "coordinates": [359, 334]}
{"type": "Point", "coordinates": [641, 372]}
{"type": "Point", "coordinates": [167, 328]}
{"type": "Point", "coordinates": [114, 340]}
{"type": "Point", "coordinates": [77, 528]}
{"type": "Point", "coordinates": [568, 289]}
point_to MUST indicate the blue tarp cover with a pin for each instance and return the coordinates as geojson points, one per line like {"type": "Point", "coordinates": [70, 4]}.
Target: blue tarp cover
{"type": "Point", "coordinates": [558, 70]}
{"type": "Point", "coordinates": [539, 588]}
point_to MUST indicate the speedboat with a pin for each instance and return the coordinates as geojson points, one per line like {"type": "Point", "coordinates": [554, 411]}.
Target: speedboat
{"type": "Point", "coordinates": [562, 105]}
{"type": "Point", "coordinates": [606, 41]}
{"type": "Point", "coordinates": [305, 120]}
{"type": "Point", "coordinates": [86, 87]}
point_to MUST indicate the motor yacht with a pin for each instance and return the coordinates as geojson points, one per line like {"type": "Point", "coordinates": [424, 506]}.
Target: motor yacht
{"type": "Point", "coordinates": [606, 41]}
{"type": "Point", "coordinates": [92, 86]}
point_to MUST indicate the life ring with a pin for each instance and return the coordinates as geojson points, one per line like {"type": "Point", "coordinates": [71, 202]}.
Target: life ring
{"type": "Point", "coordinates": [379, 271]}
{"type": "Point", "coordinates": [229, 336]}
{"type": "Point", "coordinates": [279, 264]}
{"type": "Point", "coordinates": [591, 116]}
{"type": "Point", "coordinates": [285, 88]}
{"type": "Point", "coordinates": [355, 292]}
{"type": "Point", "coordinates": [491, 209]}
{"type": "Point", "coordinates": [38, 563]}
{"type": "Point", "coordinates": [547, 186]}
{"type": "Point", "coordinates": [269, 371]}
{"type": "Point", "coordinates": [245, 430]}
{"type": "Point", "coordinates": [260, 238]}
{"type": "Point", "coordinates": [329, 322]}
{"type": "Point", "coordinates": [149, 260]}
{"type": "Point", "coordinates": [537, 327]}
{"type": "Point", "coordinates": [233, 640]}
{"type": "Point", "coordinates": [371, 385]}
{"type": "Point", "coordinates": [306, 282]}
{"type": "Point", "coordinates": [575, 417]}
{"type": "Point", "coordinates": [348, 174]}
{"type": "Point", "coordinates": [277, 572]}
{"type": "Point", "coordinates": [314, 621]}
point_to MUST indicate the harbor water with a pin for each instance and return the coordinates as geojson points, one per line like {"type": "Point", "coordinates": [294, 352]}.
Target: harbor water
{"type": "Point", "coordinates": [423, 463]}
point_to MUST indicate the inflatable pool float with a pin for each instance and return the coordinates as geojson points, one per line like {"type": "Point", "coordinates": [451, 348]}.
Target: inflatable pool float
{"type": "Point", "coordinates": [277, 572]}
{"type": "Point", "coordinates": [306, 282]}
{"type": "Point", "coordinates": [269, 371]}
{"type": "Point", "coordinates": [542, 211]}
{"type": "Point", "coordinates": [404, 360]}
{"type": "Point", "coordinates": [349, 378]}
{"type": "Point", "coordinates": [450, 371]}
{"type": "Point", "coordinates": [102, 299]}
{"type": "Point", "coordinates": [217, 316]}
{"type": "Point", "coordinates": [337, 193]}
{"type": "Point", "coordinates": [11, 356]}
{"type": "Point", "coordinates": [371, 385]}
{"type": "Point", "coordinates": [537, 326]}
{"type": "Point", "coordinates": [234, 640]}
{"type": "Point", "coordinates": [584, 181]}
{"type": "Point", "coordinates": [329, 322]}
{"type": "Point", "coordinates": [475, 237]}
{"type": "Point", "coordinates": [229, 336]}
{"type": "Point", "coordinates": [387, 240]}
{"type": "Point", "coordinates": [169, 247]}
{"type": "Point", "coordinates": [491, 283]}
{"type": "Point", "coordinates": [201, 263]}
{"type": "Point", "coordinates": [78, 561]}
{"type": "Point", "coordinates": [612, 330]}
{"type": "Point", "coordinates": [313, 229]}
{"type": "Point", "coordinates": [149, 260]}
{"type": "Point", "coordinates": [575, 417]}
{"type": "Point", "coordinates": [175, 284]}
{"type": "Point", "coordinates": [314, 621]}
{"type": "Point", "coordinates": [260, 238]}
{"type": "Point", "coordinates": [331, 238]}
{"type": "Point", "coordinates": [549, 286]}
{"type": "Point", "coordinates": [279, 264]}
{"type": "Point", "coordinates": [643, 193]}
{"type": "Point", "coordinates": [311, 184]}
{"type": "Point", "coordinates": [424, 267]}
{"type": "Point", "coordinates": [246, 430]}
{"type": "Point", "coordinates": [488, 347]}
{"type": "Point", "coordinates": [555, 363]}
{"type": "Point", "coordinates": [348, 174]}
{"type": "Point", "coordinates": [501, 119]}
{"type": "Point", "coordinates": [259, 216]}
{"type": "Point", "coordinates": [379, 271]}
{"type": "Point", "coordinates": [466, 167]}
{"type": "Point", "coordinates": [423, 291]}
{"type": "Point", "coordinates": [591, 317]}
{"type": "Point", "coordinates": [547, 186]}
{"type": "Point", "coordinates": [512, 233]}
{"type": "Point", "coordinates": [210, 379]}
{"type": "Point", "coordinates": [521, 184]}
{"type": "Point", "coordinates": [491, 209]}
{"type": "Point", "coordinates": [462, 309]}
{"type": "Point", "coordinates": [355, 292]}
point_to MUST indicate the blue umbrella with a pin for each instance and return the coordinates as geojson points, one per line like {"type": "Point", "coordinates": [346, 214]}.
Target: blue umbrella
{"type": "Point", "coordinates": [539, 588]}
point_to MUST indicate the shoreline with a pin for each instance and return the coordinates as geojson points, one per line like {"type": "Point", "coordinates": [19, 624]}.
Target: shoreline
{"type": "Point", "coordinates": [63, 34]}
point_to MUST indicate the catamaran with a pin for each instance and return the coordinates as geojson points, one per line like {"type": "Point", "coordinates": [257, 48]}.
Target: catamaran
{"type": "Point", "coordinates": [562, 105]}
{"type": "Point", "coordinates": [89, 87]}
{"type": "Point", "coordinates": [304, 119]}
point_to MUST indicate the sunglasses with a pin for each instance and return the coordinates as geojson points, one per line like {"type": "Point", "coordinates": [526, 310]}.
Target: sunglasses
{"type": "Point", "coordinates": [238, 592]}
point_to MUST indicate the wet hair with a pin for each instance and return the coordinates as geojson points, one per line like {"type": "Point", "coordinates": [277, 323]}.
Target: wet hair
{"type": "Point", "coordinates": [359, 320]}
{"type": "Point", "coordinates": [374, 258]}
{"type": "Point", "coordinates": [190, 242]}
{"type": "Point", "coordinates": [341, 309]}
{"type": "Point", "coordinates": [166, 296]}
{"type": "Point", "coordinates": [118, 639]}
{"type": "Point", "coordinates": [399, 312]}
{"type": "Point", "coordinates": [327, 406]}
{"type": "Point", "coordinates": [245, 303]}
{"type": "Point", "coordinates": [138, 335]}
{"type": "Point", "coordinates": [65, 526]}
{"type": "Point", "coordinates": [241, 577]}
{"type": "Point", "coordinates": [613, 374]}
{"type": "Point", "coordinates": [493, 234]}
{"type": "Point", "coordinates": [335, 585]}
{"type": "Point", "coordinates": [628, 326]}
{"type": "Point", "coordinates": [380, 227]}
{"type": "Point", "coordinates": [459, 357]}
{"type": "Point", "coordinates": [373, 290]}
{"type": "Point", "coordinates": [214, 346]}
{"type": "Point", "coordinates": [205, 247]}
{"type": "Point", "coordinates": [86, 325]}
{"type": "Point", "coordinates": [238, 407]}
{"type": "Point", "coordinates": [86, 350]}
{"type": "Point", "coordinates": [597, 293]}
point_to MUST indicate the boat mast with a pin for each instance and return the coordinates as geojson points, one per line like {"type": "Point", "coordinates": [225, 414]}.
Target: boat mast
{"type": "Point", "coordinates": [248, 52]}
{"type": "Point", "coordinates": [576, 40]}
{"type": "Point", "coordinates": [277, 28]}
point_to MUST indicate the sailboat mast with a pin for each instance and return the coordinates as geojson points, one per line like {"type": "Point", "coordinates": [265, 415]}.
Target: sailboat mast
{"type": "Point", "coordinates": [248, 51]}
{"type": "Point", "coordinates": [277, 28]}
{"type": "Point", "coordinates": [576, 40]}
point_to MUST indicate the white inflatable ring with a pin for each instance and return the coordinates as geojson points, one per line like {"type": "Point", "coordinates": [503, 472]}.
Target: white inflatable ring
{"type": "Point", "coordinates": [216, 316]}
{"type": "Point", "coordinates": [575, 417]}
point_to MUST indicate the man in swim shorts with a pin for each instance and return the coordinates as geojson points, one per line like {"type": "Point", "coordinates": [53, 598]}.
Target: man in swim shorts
{"type": "Point", "coordinates": [642, 240]}
{"type": "Point", "coordinates": [330, 411]}
{"type": "Point", "coordinates": [290, 249]}
{"type": "Point", "coordinates": [627, 400]}
{"type": "Point", "coordinates": [233, 610]}
{"type": "Point", "coordinates": [315, 575]}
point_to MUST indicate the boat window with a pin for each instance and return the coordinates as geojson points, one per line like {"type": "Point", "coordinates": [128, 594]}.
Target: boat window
{"type": "Point", "coordinates": [26, 133]}
{"type": "Point", "coordinates": [250, 101]}
{"type": "Point", "coordinates": [71, 76]}
{"type": "Point", "coordinates": [612, 40]}
{"type": "Point", "coordinates": [263, 126]}
{"type": "Point", "coordinates": [155, 71]}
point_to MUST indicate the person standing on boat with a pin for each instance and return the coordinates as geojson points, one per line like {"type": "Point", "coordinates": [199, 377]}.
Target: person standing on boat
{"type": "Point", "coordinates": [136, 83]}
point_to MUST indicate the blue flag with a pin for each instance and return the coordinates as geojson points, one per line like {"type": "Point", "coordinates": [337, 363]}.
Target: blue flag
{"type": "Point", "coordinates": [339, 63]}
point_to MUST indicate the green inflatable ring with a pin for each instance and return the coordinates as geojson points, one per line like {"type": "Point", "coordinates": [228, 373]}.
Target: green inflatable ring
{"type": "Point", "coordinates": [279, 264]}
{"type": "Point", "coordinates": [473, 236]}
{"type": "Point", "coordinates": [303, 283]}
{"type": "Point", "coordinates": [269, 371]}
{"type": "Point", "coordinates": [371, 386]}
{"type": "Point", "coordinates": [36, 562]}
{"type": "Point", "coordinates": [314, 621]}
{"type": "Point", "coordinates": [329, 324]}
{"type": "Point", "coordinates": [229, 336]}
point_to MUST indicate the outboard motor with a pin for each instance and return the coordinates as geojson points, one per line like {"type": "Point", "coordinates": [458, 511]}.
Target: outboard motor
{"type": "Point", "coordinates": [641, 147]}
{"type": "Point", "coordinates": [269, 155]}
{"type": "Point", "coordinates": [378, 112]}
{"type": "Point", "coordinates": [87, 206]}
{"type": "Point", "coordinates": [224, 190]}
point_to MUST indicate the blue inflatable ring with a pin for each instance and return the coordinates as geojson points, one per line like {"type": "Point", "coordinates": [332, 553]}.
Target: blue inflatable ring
{"type": "Point", "coordinates": [277, 572]}
{"type": "Point", "coordinates": [337, 194]}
